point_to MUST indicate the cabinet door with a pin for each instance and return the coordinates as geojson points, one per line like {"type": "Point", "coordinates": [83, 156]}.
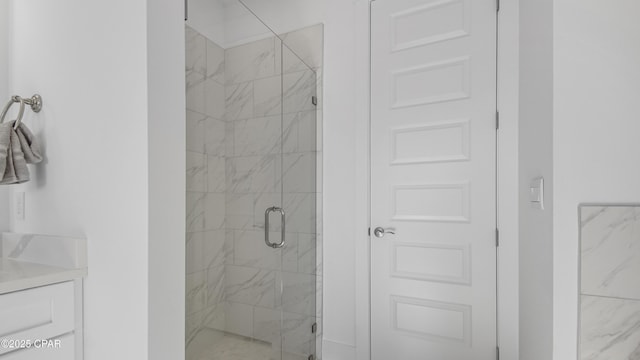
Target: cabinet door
{"type": "Point", "coordinates": [41, 313]}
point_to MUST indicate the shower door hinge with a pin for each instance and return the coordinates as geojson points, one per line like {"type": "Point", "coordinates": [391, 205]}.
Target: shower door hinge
{"type": "Point", "coordinates": [497, 5]}
{"type": "Point", "coordinates": [497, 120]}
{"type": "Point", "coordinates": [369, 231]}
{"type": "Point", "coordinates": [497, 238]}
{"type": "Point", "coordinates": [314, 100]}
{"type": "Point", "coordinates": [314, 328]}
{"type": "Point", "coordinates": [186, 10]}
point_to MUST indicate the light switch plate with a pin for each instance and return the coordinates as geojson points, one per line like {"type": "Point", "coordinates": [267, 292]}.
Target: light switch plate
{"type": "Point", "coordinates": [19, 206]}
{"type": "Point", "coordinates": [536, 194]}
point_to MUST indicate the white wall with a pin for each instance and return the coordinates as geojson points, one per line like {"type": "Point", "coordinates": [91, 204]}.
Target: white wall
{"type": "Point", "coordinates": [114, 139]}
{"type": "Point", "coordinates": [166, 205]}
{"type": "Point", "coordinates": [4, 52]}
{"type": "Point", "coordinates": [4, 97]}
{"type": "Point", "coordinates": [340, 181]}
{"type": "Point", "coordinates": [208, 18]}
{"type": "Point", "coordinates": [596, 130]}
{"type": "Point", "coordinates": [93, 126]}
{"type": "Point", "coordinates": [508, 175]}
{"type": "Point", "coordinates": [535, 160]}
{"type": "Point", "coordinates": [287, 15]}
{"type": "Point", "coordinates": [226, 22]}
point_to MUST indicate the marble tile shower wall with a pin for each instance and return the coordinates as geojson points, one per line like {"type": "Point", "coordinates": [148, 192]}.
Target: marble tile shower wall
{"type": "Point", "coordinates": [252, 144]}
{"type": "Point", "coordinates": [206, 184]}
{"type": "Point", "coordinates": [610, 290]}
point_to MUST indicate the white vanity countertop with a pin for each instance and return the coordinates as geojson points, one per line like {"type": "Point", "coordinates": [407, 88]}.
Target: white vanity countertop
{"type": "Point", "coordinates": [18, 275]}
{"type": "Point", "coordinates": [30, 260]}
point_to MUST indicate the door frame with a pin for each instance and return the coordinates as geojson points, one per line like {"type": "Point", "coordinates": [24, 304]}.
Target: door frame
{"type": "Point", "coordinates": [507, 180]}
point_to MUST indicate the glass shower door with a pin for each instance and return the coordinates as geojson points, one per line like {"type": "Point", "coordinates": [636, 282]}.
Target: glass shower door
{"type": "Point", "coordinates": [251, 190]}
{"type": "Point", "coordinates": [299, 162]}
{"type": "Point", "coordinates": [290, 213]}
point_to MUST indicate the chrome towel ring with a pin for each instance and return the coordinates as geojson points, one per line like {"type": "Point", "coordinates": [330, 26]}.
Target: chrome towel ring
{"type": "Point", "coordinates": [35, 102]}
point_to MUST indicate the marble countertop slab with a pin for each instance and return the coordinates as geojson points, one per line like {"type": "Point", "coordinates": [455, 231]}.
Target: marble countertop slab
{"type": "Point", "coordinates": [18, 275]}
{"type": "Point", "coordinates": [610, 251]}
{"type": "Point", "coordinates": [609, 328]}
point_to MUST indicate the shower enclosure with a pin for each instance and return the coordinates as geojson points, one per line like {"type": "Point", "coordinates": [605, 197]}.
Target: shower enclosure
{"type": "Point", "coordinates": [252, 187]}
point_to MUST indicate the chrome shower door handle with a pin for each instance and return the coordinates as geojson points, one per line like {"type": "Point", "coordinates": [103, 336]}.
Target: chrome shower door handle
{"type": "Point", "coordinates": [282, 227]}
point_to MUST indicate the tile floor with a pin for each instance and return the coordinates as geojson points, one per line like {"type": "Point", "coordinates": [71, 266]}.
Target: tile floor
{"type": "Point", "coordinates": [216, 345]}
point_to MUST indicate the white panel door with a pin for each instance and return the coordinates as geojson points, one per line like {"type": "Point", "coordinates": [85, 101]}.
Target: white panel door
{"type": "Point", "coordinates": [433, 179]}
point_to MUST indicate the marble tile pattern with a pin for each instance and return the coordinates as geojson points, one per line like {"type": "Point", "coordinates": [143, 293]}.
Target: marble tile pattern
{"type": "Point", "coordinates": [610, 291]}
{"type": "Point", "coordinates": [206, 185]}
{"type": "Point", "coordinates": [260, 146]}
{"type": "Point", "coordinates": [610, 328]}
{"type": "Point", "coordinates": [215, 345]}
{"type": "Point", "coordinates": [272, 161]}
{"type": "Point", "coordinates": [610, 247]}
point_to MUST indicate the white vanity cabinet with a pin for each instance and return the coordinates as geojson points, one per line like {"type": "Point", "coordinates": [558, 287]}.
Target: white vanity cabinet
{"type": "Point", "coordinates": [41, 297]}
{"type": "Point", "coordinates": [42, 323]}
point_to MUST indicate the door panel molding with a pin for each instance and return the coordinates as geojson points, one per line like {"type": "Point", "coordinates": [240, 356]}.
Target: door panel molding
{"type": "Point", "coordinates": [508, 71]}
{"type": "Point", "coordinates": [424, 183]}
